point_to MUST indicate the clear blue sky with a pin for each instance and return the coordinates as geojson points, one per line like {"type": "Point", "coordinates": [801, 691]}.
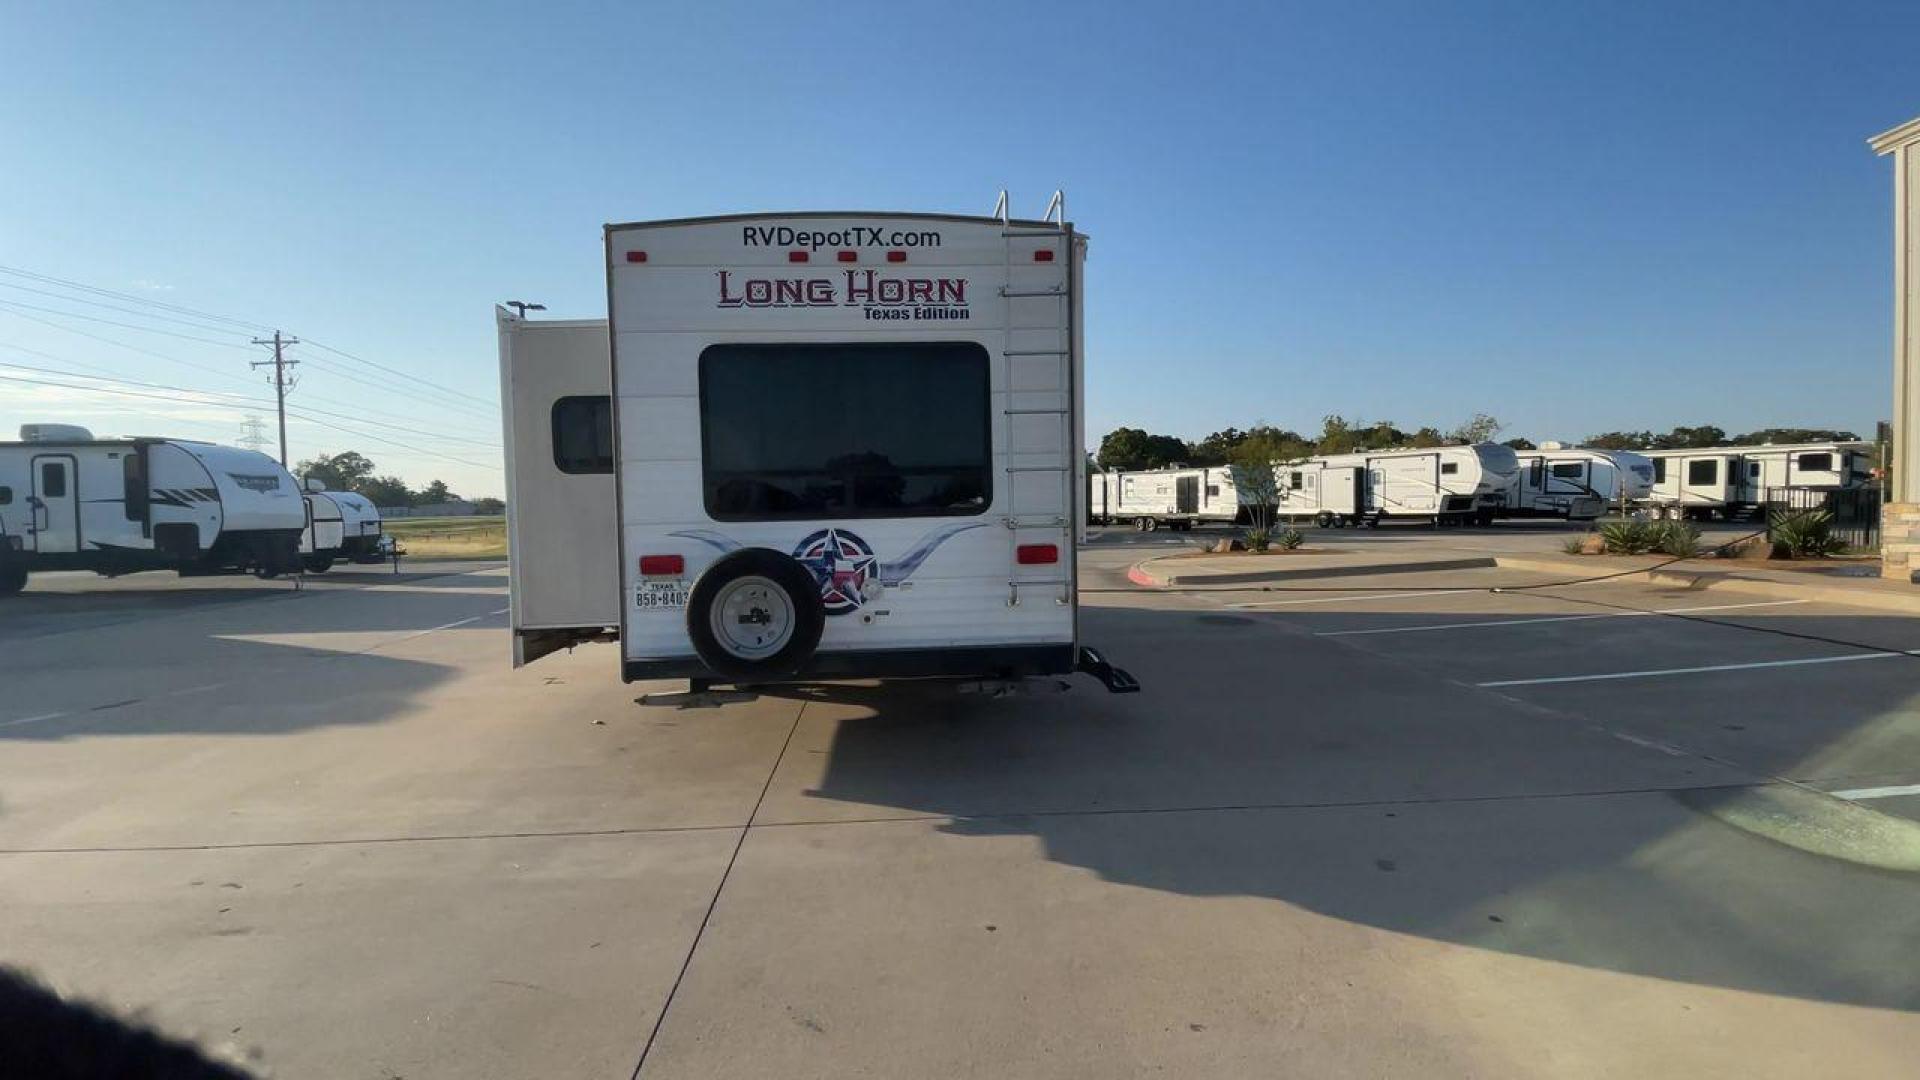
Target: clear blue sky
{"type": "Point", "coordinates": [1576, 217]}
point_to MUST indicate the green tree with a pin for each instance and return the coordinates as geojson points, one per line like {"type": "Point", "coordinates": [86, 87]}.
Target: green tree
{"type": "Point", "coordinates": [488, 506]}
{"type": "Point", "coordinates": [1427, 436]}
{"type": "Point", "coordinates": [1794, 435]}
{"type": "Point", "coordinates": [1480, 428]}
{"type": "Point", "coordinates": [340, 472]}
{"type": "Point", "coordinates": [1687, 438]}
{"type": "Point", "coordinates": [1132, 448]}
{"type": "Point", "coordinates": [434, 494]}
{"type": "Point", "coordinates": [1256, 485]}
{"type": "Point", "coordinates": [1523, 444]}
{"type": "Point", "coordinates": [1213, 449]}
{"type": "Point", "coordinates": [385, 491]}
{"type": "Point", "coordinates": [1337, 436]}
{"type": "Point", "coordinates": [1620, 440]}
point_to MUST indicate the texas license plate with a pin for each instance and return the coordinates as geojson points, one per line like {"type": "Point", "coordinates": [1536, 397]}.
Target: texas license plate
{"type": "Point", "coordinates": [660, 594]}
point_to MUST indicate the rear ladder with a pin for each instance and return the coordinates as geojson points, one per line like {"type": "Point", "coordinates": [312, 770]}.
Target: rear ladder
{"type": "Point", "coordinates": [1012, 356]}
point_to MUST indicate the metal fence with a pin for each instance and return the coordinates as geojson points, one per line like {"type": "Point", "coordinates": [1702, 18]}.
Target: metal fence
{"type": "Point", "coordinates": [1856, 511]}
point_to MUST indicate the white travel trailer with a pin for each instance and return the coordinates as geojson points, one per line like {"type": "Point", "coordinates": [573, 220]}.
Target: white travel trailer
{"type": "Point", "coordinates": [1733, 481]}
{"type": "Point", "coordinates": [839, 445]}
{"type": "Point", "coordinates": [1442, 485]}
{"type": "Point", "coordinates": [69, 501]}
{"type": "Point", "coordinates": [1575, 483]}
{"type": "Point", "coordinates": [1174, 498]}
{"type": "Point", "coordinates": [341, 526]}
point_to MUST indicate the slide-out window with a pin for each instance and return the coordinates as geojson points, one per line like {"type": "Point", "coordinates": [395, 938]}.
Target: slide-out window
{"type": "Point", "coordinates": [6, 496]}
{"type": "Point", "coordinates": [1703, 472]}
{"type": "Point", "coordinates": [833, 431]}
{"type": "Point", "coordinates": [1213, 491]}
{"type": "Point", "coordinates": [583, 434]}
{"type": "Point", "coordinates": [1569, 470]}
{"type": "Point", "coordinates": [1295, 481]}
{"type": "Point", "coordinates": [1659, 470]}
{"type": "Point", "coordinates": [1449, 468]}
{"type": "Point", "coordinates": [1816, 462]}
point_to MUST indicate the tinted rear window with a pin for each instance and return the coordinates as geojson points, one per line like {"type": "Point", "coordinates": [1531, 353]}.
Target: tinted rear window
{"type": "Point", "coordinates": [845, 431]}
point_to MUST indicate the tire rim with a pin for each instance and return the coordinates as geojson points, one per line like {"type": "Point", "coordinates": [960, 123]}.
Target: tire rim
{"type": "Point", "coordinates": [752, 617]}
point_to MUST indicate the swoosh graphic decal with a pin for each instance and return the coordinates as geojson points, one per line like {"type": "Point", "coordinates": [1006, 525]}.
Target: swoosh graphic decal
{"type": "Point", "coordinates": [893, 573]}
{"type": "Point", "coordinates": [710, 538]}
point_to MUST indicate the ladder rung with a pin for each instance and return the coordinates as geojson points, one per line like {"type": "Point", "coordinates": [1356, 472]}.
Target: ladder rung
{"type": "Point", "coordinates": [1034, 352]}
{"type": "Point", "coordinates": [1038, 412]}
{"type": "Point", "coordinates": [1014, 293]}
{"type": "Point", "coordinates": [1033, 232]}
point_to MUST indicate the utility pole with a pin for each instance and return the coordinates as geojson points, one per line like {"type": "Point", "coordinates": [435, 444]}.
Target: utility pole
{"type": "Point", "coordinates": [280, 365]}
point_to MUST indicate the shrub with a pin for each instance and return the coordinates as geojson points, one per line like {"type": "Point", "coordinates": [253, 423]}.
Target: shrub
{"type": "Point", "coordinates": [1290, 538]}
{"type": "Point", "coordinates": [1677, 538]}
{"type": "Point", "coordinates": [1628, 537]}
{"type": "Point", "coordinates": [1258, 539]}
{"type": "Point", "coordinates": [1798, 534]}
{"type": "Point", "coordinates": [1574, 545]}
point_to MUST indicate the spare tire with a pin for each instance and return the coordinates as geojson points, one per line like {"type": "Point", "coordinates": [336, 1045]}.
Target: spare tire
{"type": "Point", "coordinates": [755, 614]}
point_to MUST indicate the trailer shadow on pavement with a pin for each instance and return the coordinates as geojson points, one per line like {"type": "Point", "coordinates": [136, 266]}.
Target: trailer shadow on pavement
{"type": "Point", "coordinates": [1370, 789]}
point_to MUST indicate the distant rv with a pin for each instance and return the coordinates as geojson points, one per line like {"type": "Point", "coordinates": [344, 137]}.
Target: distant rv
{"type": "Point", "coordinates": [1575, 483]}
{"type": "Point", "coordinates": [69, 501]}
{"type": "Point", "coordinates": [1151, 499]}
{"type": "Point", "coordinates": [1443, 485]}
{"type": "Point", "coordinates": [1731, 482]}
{"type": "Point", "coordinates": [342, 526]}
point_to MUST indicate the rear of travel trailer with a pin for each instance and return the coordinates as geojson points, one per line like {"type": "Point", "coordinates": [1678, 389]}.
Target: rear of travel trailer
{"type": "Point", "coordinates": [1575, 483]}
{"type": "Point", "coordinates": [341, 526]}
{"type": "Point", "coordinates": [1441, 485]}
{"type": "Point", "coordinates": [1734, 481]}
{"type": "Point", "coordinates": [69, 501]}
{"type": "Point", "coordinates": [843, 445]}
{"type": "Point", "coordinates": [1170, 498]}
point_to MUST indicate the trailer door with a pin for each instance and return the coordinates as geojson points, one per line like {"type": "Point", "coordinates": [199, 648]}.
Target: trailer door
{"type": "Point", "coordinates": [56, 505]}
{"type": "Point", "coordinates": [562, 540]}
{"type": "Point", "coordinates": [1186, 495]}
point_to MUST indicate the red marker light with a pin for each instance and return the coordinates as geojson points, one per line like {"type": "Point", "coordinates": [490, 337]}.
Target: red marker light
{"type": "Point", "coordinates": [1036, 554]}
{"type": "Point", "coordinates": [636, 256]}
{"type": "Point", "coordinates": [849, 256]}
{"type": "Point", "coordinates": [896, 256]}
{"type": "Point", "coordinates": [1043, 255]}
{"type": "Point", "coordinates": [662, 565]}
{"type": "Point", "coordinates": [796, 256]}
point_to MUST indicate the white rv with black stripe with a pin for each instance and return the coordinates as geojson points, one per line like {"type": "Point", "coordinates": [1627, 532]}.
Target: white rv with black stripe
{"type": "Point", "coordinates": [69, 501]}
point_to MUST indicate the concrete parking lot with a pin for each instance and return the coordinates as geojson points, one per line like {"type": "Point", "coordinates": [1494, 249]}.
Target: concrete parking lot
{"type": "Point", "coordinates": [1363, 826]}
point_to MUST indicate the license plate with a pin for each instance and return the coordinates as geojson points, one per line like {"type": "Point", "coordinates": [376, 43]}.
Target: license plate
{"type": "Point", "coordinates": [660, 594]}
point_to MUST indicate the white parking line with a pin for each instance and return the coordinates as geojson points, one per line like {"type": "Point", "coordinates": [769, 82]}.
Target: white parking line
{"type": "Point", "coordinates": [32, 719]}
{"type": "Point", "coordinates": [1428, 627]}
{"type": "Point", "coordinates": [1653, 673]}
{"type": "Point", "coordinates": [1353, 599]}
{"type": "Point", "coordinates": [1876, 792]}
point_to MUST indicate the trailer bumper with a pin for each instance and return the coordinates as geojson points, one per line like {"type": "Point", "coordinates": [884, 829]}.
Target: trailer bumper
{"type": "Point", "coordinates": [997, 661]}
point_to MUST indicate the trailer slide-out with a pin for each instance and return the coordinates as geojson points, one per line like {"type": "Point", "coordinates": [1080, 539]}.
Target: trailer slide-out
{"type": "Point", "coordinates": [814, 445]}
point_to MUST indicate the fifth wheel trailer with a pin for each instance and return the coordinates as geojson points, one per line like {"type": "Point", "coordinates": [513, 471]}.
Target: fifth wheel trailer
{"type": "Point", "coordinates": [69, 501]}
{"type": "Point", "coordinates": [1442, 484]}
{"type": "Point", "coordinates": [1576, 483]}
{"type": "Point", "coordinates": [1733, 481]}
{"type": "Point", "coordinates": [843, 445]}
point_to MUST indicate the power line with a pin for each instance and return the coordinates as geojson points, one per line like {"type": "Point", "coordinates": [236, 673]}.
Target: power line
{"type": "Point", "coordinates": [232, 405]}
{"type": "Point", "coordinates": [405, 375]}
{"type": "Point", "coordinates": [239, 402]}
{"type": "Point", "coordinates": [97, 290]}
{"type": "Point", "coordinates": [125, 310]}
{"type": "Point", "coordinates": [114, 322]}
{"type": "Point", "coordinates": [222, 372]}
